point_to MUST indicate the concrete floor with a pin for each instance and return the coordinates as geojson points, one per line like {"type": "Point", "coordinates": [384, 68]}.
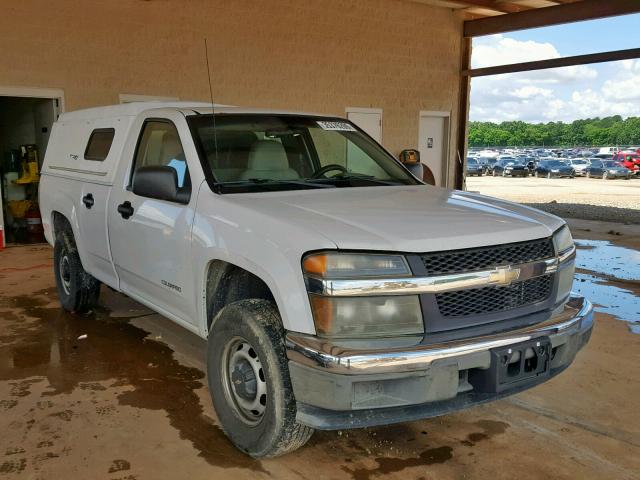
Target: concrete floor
{"type": "Point", "coordinates": [129, 402]}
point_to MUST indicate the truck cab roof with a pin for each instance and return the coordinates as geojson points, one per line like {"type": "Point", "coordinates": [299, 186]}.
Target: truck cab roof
{"type": "Point", "coordinates": [134, 109]}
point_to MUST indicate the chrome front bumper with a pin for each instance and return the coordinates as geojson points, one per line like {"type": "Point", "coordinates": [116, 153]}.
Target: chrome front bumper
{"type": "Point", "coordinates": [352, 385]}
{"type": "Point", "coordinates": [344, 359]}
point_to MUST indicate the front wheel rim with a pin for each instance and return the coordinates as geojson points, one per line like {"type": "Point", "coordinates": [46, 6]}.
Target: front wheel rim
{"type": "Point", "coordinates": [65, 273]}
{"type": "Point", "coordinates": [244, 381]}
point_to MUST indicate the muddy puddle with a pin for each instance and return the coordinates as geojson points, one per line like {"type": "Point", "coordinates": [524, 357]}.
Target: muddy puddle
{"type": "Point", "coordinates": [40, 343]}
{"type": "Point", "coordinates": [609, 276]}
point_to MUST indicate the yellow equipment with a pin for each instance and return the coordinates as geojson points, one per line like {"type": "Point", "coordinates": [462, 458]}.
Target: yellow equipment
{"type": "Point", "coordinates": [29, 165]}
{"type": "Point", "coordinates": [18, 208]}
{"type": "Point", "coordinates": [29, 173]}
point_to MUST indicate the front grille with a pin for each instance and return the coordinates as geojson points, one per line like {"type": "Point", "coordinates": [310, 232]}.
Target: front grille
{"type": "Point", "coordinates": [438, 263]}
{"type": "Point", "coordinates": [494, 299]}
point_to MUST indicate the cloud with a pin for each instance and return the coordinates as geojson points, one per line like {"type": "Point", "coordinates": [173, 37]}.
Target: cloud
{"type": "Point", "coordinates": [562, 94]}
{"type": "Point", "coordinates": [500, 50]}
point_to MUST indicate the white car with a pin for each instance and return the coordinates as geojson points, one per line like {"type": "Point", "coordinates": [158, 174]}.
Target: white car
{"type": "Point", "coordinates": [335, 289]}
{"type": "Point", "coordinates": [580, 166]}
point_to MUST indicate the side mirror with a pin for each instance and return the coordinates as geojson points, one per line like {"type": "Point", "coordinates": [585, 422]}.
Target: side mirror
{"type": "Point", "coordinates": [159, 182]}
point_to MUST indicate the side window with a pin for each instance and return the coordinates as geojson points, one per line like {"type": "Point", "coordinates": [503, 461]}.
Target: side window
{"type": "Point", "coordinates": [159, 146]}
{"type": "Point", "coordinates": [99, 144]}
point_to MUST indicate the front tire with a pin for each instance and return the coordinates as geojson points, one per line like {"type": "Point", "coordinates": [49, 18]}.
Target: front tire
{"type": "Point", "coordinates": [249, 381]}
{"type": "Point", "coordinates": [78, 291]}
{"type": "Point", "coordinates": [549, 175]}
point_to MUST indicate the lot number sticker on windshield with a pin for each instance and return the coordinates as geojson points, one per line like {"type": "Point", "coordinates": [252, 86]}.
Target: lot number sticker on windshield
{"type": "Point", "coordinates": [337, 126]}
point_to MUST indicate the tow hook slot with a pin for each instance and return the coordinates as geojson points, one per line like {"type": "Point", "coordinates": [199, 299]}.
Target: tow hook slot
{"type": "Point", "coordinates": [514, 366]}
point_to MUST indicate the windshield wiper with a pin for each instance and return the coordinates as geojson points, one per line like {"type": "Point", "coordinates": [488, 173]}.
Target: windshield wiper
{"type": "Point", "coordinates": [354, 176]}
{"type": "Point", "coordinates": [266, 182]}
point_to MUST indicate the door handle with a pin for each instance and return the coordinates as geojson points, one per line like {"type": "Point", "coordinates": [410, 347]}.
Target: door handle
{"type": "Point", "coordinates": [125, 209]}
{"type": "Point", "coordinates": [88, 201]}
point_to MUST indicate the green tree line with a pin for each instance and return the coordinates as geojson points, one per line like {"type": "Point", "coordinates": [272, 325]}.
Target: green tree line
{"type": "Point", "coordinates": [608, 131]}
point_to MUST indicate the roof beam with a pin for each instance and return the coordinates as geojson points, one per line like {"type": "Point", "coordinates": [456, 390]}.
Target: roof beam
{"type": "Point", "coordinates": [502, 7]}
{"type": "Point", "coordinates": [542, 17]}
{"type": "Point", "coordinates": [555, 63]}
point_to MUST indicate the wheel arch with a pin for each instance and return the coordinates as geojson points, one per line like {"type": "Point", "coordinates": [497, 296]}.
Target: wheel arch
{"type": "Point", "coordinates": [226, 282]}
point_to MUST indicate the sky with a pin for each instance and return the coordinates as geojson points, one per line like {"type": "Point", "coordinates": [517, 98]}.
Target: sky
{"type": "Point", "coordinates": [561, 94]}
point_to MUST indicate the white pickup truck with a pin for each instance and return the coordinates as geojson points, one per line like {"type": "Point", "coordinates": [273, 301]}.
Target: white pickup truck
{"type": "Point", "coordinates": [335, 289]}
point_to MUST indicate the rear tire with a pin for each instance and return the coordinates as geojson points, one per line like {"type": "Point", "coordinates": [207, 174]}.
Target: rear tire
{"type": "Point", "coordinates": [249, 381]}
{"type": "Point", "coordinates": [78, 291]}
{"type": "Point", "coordinates": [588, 174]}
{"type": "Point", "coordinates": [605, 176]}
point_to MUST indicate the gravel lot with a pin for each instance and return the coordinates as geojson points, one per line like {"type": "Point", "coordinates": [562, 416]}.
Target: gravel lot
{"type": "Point", "coordinates": [590, 199]}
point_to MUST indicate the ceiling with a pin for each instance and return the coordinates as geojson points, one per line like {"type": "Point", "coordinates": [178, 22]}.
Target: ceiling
{"type": "Point", "coordinates": [488, 8]}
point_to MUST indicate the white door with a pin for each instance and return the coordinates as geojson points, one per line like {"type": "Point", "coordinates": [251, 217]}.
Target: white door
{"type": "Point", "coordinates": [433, 144]}
{"type": "Point", "coordinates": [369, 120]}
{"type": "Point", "coordinates": [150, 238]}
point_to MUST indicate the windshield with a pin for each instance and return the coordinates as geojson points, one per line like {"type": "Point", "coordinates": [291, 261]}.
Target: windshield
{"type": "Point", "coordinates": [555, 163]}
{"type": "Point", "coordinates": [471, 161]}
{"type": "Point", "coordinates": [579, 162]}
{"type": "Point", "coordinates": [611, 164]}
{"type": "Point", "coordinates": [268, 152]}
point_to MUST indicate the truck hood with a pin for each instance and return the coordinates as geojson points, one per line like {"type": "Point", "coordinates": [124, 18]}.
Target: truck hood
{"type": "Point", "coordinates": [408, 219]}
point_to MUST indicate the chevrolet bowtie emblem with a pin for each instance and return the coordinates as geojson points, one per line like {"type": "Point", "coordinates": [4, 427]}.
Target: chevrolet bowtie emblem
{"type": "Point", "coordinates": [504, 275]}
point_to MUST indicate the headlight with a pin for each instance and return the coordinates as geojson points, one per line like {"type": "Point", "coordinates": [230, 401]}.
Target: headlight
{"type": "Point", "coordinates": [563, 240]}
{"type": "Point", "coordinates": [358, 317]}
{"type": "Point", "coordinates": [361, 316]}
{"type": "Point", "coordinates": [563, 243]}
{"type": "Point", "coordinates": [555, 171]}
{"type": "Point", "coordinates": [349, 265]}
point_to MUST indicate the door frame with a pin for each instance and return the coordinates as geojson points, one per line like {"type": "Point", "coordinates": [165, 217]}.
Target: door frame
{"type": "Point", "coordinates": [30, 92]}
{"type": "Point", "coordinates": [36, 92]}
{"type": "Point", "coordinates": [447, 139]}
{"type": "Point", "coordinates": [379, 111]}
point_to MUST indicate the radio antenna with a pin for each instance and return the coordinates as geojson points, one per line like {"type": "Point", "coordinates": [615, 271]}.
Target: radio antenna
{"type": "Point", "coordinates": [213, 106]}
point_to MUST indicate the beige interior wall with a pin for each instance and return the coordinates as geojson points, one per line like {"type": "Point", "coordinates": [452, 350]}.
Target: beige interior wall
{"type": "Point", "coordinates": [319, 56]}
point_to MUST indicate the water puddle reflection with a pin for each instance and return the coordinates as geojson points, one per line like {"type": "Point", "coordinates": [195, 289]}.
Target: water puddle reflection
{"type": "Point", "coordinates": [609, 276]}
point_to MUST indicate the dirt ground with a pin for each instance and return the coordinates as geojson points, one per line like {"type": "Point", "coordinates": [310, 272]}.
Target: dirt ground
{"type": "Point", "coordinates": [129, 402]}
{"type": "Point", "coordinates": [588, 198]}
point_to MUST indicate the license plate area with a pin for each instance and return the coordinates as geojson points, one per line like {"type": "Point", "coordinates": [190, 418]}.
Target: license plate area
{"type": "Point", "coordinates": [514, 366]}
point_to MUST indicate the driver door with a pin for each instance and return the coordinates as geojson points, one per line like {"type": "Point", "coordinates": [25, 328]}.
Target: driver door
{"type": "Point", "coordinates": [151, 238]}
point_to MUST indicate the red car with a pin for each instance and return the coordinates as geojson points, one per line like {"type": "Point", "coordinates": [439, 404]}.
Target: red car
{"type": "Point", "coordinates": [631, 160]}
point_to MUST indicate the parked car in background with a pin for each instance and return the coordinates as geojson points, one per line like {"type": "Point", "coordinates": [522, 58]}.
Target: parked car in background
{"type": "Point", "coordinates": [608, 151]}
{"type": "Point", "coordinates": [608, 169]}
{"type": "Point", "coordinates": [510, 168]}
{"type": "Point", "coordinates": [491, 162]}
{"type": "Point", "coordinates": [630, 160]}
{"type": "Point", "coordinates": [486, 163]}
{"type": "Point", "coordinates": [474, 168]}
{"type": "Point", "coordinates": [554, 168]}
{"type": "Point", "coordinates": [579, 166]}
